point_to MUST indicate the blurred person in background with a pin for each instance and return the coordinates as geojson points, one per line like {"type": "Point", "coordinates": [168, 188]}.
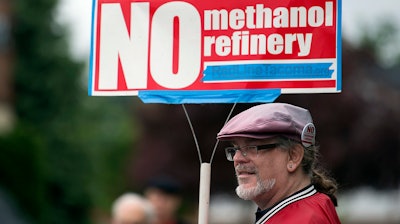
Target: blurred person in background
{"type": "Point", "coordinates": [276, 164]}
{"type": "Point", "coordinates": [132, 208]}
{"type": "Point", "coordinates": [164, 193]}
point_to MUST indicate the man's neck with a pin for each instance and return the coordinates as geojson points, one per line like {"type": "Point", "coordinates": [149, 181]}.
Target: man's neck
{"type": "Point", "coordinates": [278, 193]}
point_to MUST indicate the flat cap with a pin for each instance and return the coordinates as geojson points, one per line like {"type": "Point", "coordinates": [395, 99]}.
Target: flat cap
{"type": "Point", "coordinates": [269, 120]}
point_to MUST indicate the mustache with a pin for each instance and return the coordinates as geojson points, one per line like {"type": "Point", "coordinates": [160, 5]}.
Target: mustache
{"type": "Point", "coordinates": [245, 168]}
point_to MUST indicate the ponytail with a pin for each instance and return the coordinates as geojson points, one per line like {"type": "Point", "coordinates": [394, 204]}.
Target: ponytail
{"type": "Point", "coordinates": [319, 176]}
{"type": "Point", "coordinates": [324, 184]}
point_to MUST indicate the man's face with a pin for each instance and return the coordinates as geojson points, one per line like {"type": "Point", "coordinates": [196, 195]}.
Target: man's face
{"type": "Point", "coordinates": [165, 204]}
{"type": "Point", "coordinates": [258, 173]}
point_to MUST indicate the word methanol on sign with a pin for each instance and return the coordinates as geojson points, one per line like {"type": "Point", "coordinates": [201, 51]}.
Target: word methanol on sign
{"type": "Point", "coordinates": [260, 17]}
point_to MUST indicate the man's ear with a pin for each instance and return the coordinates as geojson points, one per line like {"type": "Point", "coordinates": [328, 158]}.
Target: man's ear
{"type": "Point", "coordinates": [296, 154]}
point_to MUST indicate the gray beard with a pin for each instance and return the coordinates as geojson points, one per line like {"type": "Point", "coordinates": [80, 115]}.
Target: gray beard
{"type": "Point", "coordinates": [253, 192]}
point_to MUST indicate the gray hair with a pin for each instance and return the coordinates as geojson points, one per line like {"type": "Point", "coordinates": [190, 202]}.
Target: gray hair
{"type": "Point", "coordinates": [137, 200]}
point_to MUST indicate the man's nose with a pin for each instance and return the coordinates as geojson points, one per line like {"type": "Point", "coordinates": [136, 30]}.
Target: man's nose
{"type": "Point", "coordinates": [239, 156]}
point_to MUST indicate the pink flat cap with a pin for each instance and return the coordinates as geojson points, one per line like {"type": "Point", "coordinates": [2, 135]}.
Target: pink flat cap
{"type": "Point", "coordinates": [269, 120]}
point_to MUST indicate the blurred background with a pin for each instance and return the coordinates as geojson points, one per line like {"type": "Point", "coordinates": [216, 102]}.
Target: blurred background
{"type": "Point", "coordinates": [65, 156]}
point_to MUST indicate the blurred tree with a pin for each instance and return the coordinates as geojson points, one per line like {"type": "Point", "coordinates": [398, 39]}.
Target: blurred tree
{"type": "Point", "coordinates": [62, 161]}
{"type": "Point", "coordinates": [381, 41]}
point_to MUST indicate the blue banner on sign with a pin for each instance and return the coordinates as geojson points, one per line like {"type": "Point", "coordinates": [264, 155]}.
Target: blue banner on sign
{"type": "Point", "coordinates": [210, 96]}
{"type": "Point", "coordinates": [267, 71]}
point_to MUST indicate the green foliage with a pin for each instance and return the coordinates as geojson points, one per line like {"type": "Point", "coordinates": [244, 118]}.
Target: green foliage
{"type": "Point", "coordinates": [111, 139]}
{"type": "Point", "coordinates": [22, 168]}
{"type": "Point", "coordinates": [65, 156]}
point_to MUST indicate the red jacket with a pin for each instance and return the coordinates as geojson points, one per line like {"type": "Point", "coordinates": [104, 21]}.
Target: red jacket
{"type": "Point", "coordinates": [304, 207]}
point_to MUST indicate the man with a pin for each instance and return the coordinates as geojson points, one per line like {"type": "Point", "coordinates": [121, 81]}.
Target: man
{"type": "Point", "coordinates": [131, 208]}
{"type": "Point", "coordinates": [275, 160]}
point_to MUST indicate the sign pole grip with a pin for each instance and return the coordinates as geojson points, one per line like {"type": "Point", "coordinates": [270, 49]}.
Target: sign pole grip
{"type": "Point", "coordinates": [204, 193]}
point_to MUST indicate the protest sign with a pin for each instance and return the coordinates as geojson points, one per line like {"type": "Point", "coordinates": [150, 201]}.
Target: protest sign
{"type": "Point", "coordinates": [215, 51]}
